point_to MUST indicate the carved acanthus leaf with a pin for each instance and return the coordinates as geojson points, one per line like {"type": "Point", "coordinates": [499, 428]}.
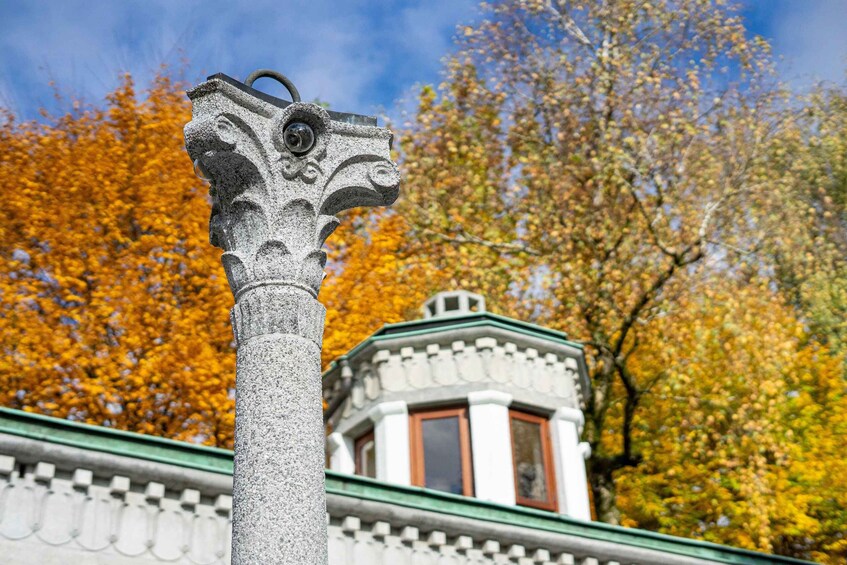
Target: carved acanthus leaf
{"type": "Point", "coordinates": [363, 180]}
{"type": "Point", "coordinates": [272, 208]}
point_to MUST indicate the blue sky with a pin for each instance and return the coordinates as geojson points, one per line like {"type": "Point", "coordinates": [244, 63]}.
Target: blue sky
{"type": "Point", "coordinates": [363, 56]}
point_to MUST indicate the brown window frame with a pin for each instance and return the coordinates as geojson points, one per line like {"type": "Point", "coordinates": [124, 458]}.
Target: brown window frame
{"type": "Point", "coordinates": [357, 447]}
{"type": "Point", "coordinates": [416, 444]}
{"type": "Point", "coordinates": [547, 457]}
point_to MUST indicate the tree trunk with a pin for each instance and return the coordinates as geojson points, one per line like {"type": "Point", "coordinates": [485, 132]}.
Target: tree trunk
{"type": "Point", "coordinates": [605, 494]}
{"type": "Point", "coordinates": [601, 468]}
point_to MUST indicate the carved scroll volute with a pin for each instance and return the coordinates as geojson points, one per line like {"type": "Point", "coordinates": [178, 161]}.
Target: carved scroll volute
{"type": "Point", "coordinates": [272, 209]}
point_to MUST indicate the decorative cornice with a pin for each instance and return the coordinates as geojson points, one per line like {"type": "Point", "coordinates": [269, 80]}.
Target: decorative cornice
{"type": "Point", "coordinates": [274, 197]}
{"type": "Point", "coordinates": [69, 446]}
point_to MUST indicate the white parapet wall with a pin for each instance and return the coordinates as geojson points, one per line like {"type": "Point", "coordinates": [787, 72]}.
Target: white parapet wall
{"type": "Point", "coordinates": [55, 512]}
{"type": "Point", "coordinates": [73, 494]}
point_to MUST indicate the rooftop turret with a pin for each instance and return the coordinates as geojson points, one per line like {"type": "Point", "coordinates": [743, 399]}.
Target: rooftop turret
{"type": "Point", "coordinates": [464, 401]}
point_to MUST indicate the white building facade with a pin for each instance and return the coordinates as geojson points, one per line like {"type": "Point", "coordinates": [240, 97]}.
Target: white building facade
{"type": "Point", "coordinates": [455, 441]}
{"type": "Point", "coordinates": [466, 402]}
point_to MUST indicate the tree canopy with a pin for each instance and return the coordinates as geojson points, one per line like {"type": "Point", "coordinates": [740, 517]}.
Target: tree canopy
{"type": "Point", "coordinates": [611, 149]}
{"type": "Point", "coordinates": [114, 307]}
{"type": "Point", "coordinates": [618, 169]}
{"type": "Point", "coordinates": [629, 172]}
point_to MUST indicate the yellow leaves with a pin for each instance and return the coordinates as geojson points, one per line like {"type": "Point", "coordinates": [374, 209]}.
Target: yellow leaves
{"type": "Point", "coordinates": [372, 281]}
{"type": "Point", "coordinates": [747, 437]}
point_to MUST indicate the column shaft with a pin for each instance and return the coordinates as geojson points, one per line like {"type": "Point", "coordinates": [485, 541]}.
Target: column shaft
{"type": "Point", "coordinates": [279, 500]}
{"type": "Point", "coordinates": [570, 464]}
{"type": "Point", "coordinates": [491, 446]}
{"type": "Point", "coordinates": [279, 172]}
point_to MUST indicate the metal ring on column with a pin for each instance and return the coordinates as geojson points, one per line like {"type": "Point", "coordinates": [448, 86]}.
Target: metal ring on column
{"type": "Point", "coordinates": [279, 77]}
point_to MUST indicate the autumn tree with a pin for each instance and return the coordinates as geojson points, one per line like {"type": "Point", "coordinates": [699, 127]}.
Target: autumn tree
{"type": "Point", "coordinates": [602, 151]}
{"type": "Point", "coordinates": [808, 215]}
{"type": "Point", "coordinates": [373, 280]}
{"type": "Point", "coordinates": [114, 308]}
{"type": "Point", "coordinates": [742, 441]}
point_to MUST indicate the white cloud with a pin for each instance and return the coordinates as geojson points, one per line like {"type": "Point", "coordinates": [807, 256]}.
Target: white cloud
{"type": "Point", "coordinates": [357, 55]}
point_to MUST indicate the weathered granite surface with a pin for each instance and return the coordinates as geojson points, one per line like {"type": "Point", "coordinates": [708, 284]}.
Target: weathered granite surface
{"type": "Point", "coordinates": [279, 172]}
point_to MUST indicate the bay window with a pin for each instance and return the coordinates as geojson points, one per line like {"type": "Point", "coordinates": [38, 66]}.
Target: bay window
{"type": "Point", "coordinates": [533, 461]}
{"type": "Point", "coordinates": [441, 450]}
{"type": "Point", "coordinates": [366, 455]}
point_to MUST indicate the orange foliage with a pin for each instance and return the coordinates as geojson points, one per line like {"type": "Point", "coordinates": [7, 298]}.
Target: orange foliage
{"type": "Point", "coordinates": [114, 308]}
{"type": "Point", "coordinates": [371, 282]}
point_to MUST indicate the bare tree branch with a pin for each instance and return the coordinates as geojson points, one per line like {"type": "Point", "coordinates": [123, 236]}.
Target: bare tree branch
{"type": "Point", "coordinates": [569, 24]}
{"type": "Point", "coordinates": [466, 238]}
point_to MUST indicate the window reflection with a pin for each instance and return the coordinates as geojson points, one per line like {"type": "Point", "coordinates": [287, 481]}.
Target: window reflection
{"type": "Point", "coordinates": [442, 453]}
{"type": "Point", "coordinates": [366, 456]}
{"type": "Point", "coordinates": [532, 459]}
{"type": "Point", "coordinates": [441, 450]}
{"type": "Point", "coordinates": [529, 460]}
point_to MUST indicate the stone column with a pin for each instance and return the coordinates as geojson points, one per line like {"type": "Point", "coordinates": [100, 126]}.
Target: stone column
{"type": "Point", "coordinates": [391, 439]}
{"type": "Point", "coordinates": [341, 456]}
{"type": "Point", "coordinates": [569, 455]}
{"type": "Point", "coordinates": [494, 473]}
{"type": "Point", "coordinates": [279, 172]}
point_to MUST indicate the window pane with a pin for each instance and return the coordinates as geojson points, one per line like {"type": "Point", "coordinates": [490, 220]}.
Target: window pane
{"type": "Point", "coordinates": [367, 459]}
{"type": "Point", "coordinates": [529, 460]}
{"type": "Point", "coordinates": [442, 454]}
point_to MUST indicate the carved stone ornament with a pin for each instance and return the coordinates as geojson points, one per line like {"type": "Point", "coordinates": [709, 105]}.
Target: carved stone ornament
{"type": "Point", "coordinates": [272, 207]}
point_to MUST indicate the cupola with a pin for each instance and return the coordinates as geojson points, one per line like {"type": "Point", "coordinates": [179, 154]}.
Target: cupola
{"type": "Point", "coordinates": [455, 303]}
{"type": "Point", "coordinates": [464, 401]}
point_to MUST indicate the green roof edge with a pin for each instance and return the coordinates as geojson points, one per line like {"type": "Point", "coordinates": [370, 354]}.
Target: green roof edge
{"type": "Point", "coordinates": [425, 499]}
{"type": "Point", "coordinates": [115, 442]}
{"type": "Point", "coordinates": [491, 315]}
{"type": "Point", "coordinates": [183, 454]}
